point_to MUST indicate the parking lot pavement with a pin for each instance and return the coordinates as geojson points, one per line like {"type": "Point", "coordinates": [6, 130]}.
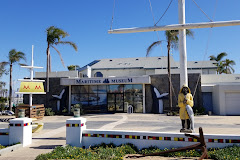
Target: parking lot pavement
{"type": "Point", "coordinates": [163, 123]}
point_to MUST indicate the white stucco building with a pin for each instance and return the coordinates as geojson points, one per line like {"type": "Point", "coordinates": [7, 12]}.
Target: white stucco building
{"type": "Point", "coordinates": [113, 82]}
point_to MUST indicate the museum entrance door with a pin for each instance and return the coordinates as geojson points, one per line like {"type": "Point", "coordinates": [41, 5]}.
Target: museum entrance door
{"type": "Point", "coordinates": [115, 102]}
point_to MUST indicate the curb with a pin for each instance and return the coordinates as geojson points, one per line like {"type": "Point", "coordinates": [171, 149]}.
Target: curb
{"type": "Point", "coordinates": [10, 149]}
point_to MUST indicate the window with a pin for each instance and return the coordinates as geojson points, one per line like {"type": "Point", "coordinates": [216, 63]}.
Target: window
{"type": "Point", "coordinates": [98, 74]}
{"type": "Point", "coordinates": [89, 95]}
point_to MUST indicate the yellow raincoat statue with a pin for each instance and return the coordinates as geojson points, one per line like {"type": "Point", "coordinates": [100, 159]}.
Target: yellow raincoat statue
{"type": "Point", "coordinates": [185, 98]}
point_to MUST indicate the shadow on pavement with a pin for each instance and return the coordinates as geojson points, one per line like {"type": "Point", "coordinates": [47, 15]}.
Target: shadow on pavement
{"type": "Point", "coordinates": [46, 147]}
{"type": "Point", "coordinates": [55, 138]}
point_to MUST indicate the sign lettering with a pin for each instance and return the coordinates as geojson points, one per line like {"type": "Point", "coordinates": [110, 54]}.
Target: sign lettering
{"type": "Point", "coordinates": [103, 81]}
{"type": "Point", "coordinates": [26, 87]}
{"type": "Point", "coordinates": [31, 87]}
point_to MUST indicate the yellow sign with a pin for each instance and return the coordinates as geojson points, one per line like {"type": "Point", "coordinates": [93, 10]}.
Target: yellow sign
{"type": "Point", "coordinates": [31, 87]}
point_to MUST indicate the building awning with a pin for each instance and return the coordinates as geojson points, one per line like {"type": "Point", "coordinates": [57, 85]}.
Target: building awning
{"type": "Point", "coordinates": [106, 81]}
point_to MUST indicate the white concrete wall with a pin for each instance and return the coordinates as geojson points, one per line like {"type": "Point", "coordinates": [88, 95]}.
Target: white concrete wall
{"type": "Point", "coordinates": [159, 139]}
{"type": "Point", "coordinates": [175, 71]}
{"type": "Point", "coordinates": [57, 74]}
{"type": "Point", "coordinates": [78, 135]}
{"type": "Point", "coordinates": [220, 78]}
{"type": "Point", "coordinates": [20, 130]}
{"type": "Point", "coordinates": [74, 128]}
{"type": "Point", "coordinates": [150, 71]}
{"type": "Point", "coordinates": [120, 72]}
{"type": "Point", "coordinates": [219, 98]}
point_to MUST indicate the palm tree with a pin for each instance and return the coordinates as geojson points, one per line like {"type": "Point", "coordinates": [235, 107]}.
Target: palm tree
{"type": "Point", "coordinates": [13, 57]}
{"type": "Point", "coordinates": [218, 60]}
{"type": "Point", "coordinates": [2, 68]}
{"type": "Point", "coordinates": [73, 67]}
{"type": "Point", "coordinates": [227, 64]}
{"type": "Point", "coordinates": [54, 36]}
{"type": "Point", "coordinates": [172, 42]}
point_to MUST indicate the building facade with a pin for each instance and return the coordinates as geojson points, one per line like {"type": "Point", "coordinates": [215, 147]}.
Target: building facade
{"type": "Point", "coordinates": [112, 85]}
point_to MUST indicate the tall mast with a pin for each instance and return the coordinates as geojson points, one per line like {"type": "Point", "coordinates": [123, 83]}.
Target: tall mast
{"type": "Point", "coordinates": [182, 44]}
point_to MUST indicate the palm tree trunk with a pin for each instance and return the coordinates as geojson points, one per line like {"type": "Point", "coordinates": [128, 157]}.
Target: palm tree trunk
{"type": "Point", "coordinates": [47, 72]}
{"type": "Point", "coordinates": [169, 77]}
{"type": "Point", "coordinates": [10, 89]}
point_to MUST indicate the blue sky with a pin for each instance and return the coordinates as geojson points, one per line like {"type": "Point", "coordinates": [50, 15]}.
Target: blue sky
{"type": "Point", "coordinates": [23, 24]}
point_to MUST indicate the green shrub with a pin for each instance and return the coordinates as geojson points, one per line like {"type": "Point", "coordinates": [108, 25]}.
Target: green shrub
{"type": "Point", "coordinates": [64, 110]}
{"type": "Point", "coordinates": [199, 111]}
{"type": "Point", "coordinates": [102, 151]}
{"type": "Point", "coordinates": [227, 153]}
{"type": "Point", "coordinates": [49, 112]}
{"type": "Point", "coordinates": [2, 106]}
{"type": "Point", "coordinates": [1, 147]}
{"type": "Point", "coordinates": [110, 151]}
{"type": "Point", "coordinates": [78, 106]}
{"type": "Point", "coordinates": [3, 99]}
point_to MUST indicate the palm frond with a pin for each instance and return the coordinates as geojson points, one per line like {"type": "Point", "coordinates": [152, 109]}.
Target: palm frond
{"type": "Point", "coordinates": [55, 34]}
{"type": "Point", "coordinates": [220, 56]}
{"type": "Point", "coordinates": [213, 58]}
{"type": "Point", "coordinates": [153, 45]}
{"type": "Point", "coordinates": [15, 56]}
{"type": "Point", "coordinates": [3, 64]}
{"type": "Point", "coordinates": [190, 33]}
{"type": "Point", "coordinates": [22, 64]}
{"type": "Point", "coordinates": [68, 43]}
{"type": "Point", "coordinates": [59, 55]}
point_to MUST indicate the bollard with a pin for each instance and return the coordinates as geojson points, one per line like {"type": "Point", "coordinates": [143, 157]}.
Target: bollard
{"type": "Point", "coordinates": [20, 130]}
{"type": "Point", "coordinates": [130, 109]}
{"type": "Point", "coordinates": [21, 113]}
{"type": "Point", "coordinates": [74, 129]}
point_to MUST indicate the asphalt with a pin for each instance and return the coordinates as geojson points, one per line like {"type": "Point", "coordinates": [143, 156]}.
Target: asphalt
{"type": "Point", "coordinates": [54, 132]}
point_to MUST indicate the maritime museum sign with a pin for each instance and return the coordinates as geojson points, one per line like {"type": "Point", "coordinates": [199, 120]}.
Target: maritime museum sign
{"type": "Point", "coordinates": [109, 80]}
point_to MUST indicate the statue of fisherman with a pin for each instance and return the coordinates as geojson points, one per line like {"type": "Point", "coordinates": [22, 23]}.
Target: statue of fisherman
{"type": "Point", "coordinates": [185, 102]}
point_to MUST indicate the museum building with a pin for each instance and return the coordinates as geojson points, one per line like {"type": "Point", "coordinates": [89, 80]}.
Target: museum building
{"type": "Point", "coordinates": [112, 85]}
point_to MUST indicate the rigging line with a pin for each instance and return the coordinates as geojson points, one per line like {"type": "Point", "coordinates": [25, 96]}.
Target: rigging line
{"type": "Point", "coordinates": [207, 45]}
{"type": "Point", "coordinates": [164, 13]}
{"type": "Point", "coordinates": [150, 5]}
{"type": "Point", "coordinates": [112, 14]}
{"type": "Point", "coordinates": [173, 91]}
{"type": "Point", "coordinates": [202, 11]}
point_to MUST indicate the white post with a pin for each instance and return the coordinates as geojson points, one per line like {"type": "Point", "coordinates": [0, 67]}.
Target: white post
{"type": "Point", "coordinates": [69, 98]}
{"type": "Point", "coordinates": [20, 130]}
{"type": "Point", "coordinates": [74, 129]}
{"type": "Point", "coordinates": [144, 96]}
{"type": "Point", "coordinates": [32, 65]}
{"type": "Point", "coordinates": [182, 44]}
{"type": "Point", "coordinates": [31, 78]}
{"type": "Point", "coordinates": [30, 99]}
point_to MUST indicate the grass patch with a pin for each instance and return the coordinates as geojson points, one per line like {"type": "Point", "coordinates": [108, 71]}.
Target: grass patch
{"type": "Point", "coordinates": [110, 151]}
{"type": "Point", "coordinates": [1, 147]}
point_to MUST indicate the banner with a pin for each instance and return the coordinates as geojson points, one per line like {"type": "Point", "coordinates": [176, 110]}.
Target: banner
{"type": "Point", "coordinates": [31, 87]}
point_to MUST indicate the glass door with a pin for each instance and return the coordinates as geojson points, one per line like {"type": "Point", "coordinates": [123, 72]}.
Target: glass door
{"type": "Point", "coordinates": [115, 102]}
{"type": "Point", "coordinates": [119, 102]}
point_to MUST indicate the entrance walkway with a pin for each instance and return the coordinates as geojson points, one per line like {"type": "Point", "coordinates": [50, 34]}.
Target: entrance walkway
{"type": "Point", "coordinates": [54, 132]}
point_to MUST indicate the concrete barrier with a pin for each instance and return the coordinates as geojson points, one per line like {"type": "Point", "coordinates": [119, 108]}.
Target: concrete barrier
{"type": "Point", "coordinates": [74, 129]}
{"type": "Point", "coordinates": [81, 137]}
{"type": "Point", "coordinates": [20, 130]}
